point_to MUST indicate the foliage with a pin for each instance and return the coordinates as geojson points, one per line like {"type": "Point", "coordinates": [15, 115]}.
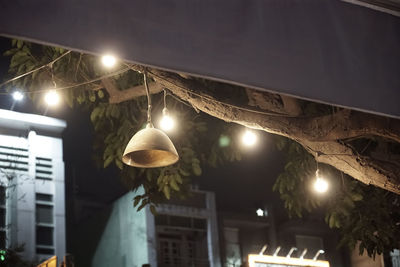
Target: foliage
{"type": "Point", "coordinates": [373, 222]}
{"type": "Point", "coordinates": [361, 212]}
{"type": "Point", "coordinates": [114, 124]}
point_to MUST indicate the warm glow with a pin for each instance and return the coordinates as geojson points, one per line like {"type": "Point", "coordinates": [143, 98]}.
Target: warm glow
{"type": "Point", "coordinates": [167, 123]}
{"type": "Point", "coordinates": [254, 259]}
{"type": "Point", "coordinates": [249, 138]}
{"type": "Point", "coordinates": [18, 96]}
{"type": "Point", "coordinates": [52, 98]}
{"type": "Point", "coordinates": [108, 61]}
{"type": "Point", "coordinates": [320, 185]}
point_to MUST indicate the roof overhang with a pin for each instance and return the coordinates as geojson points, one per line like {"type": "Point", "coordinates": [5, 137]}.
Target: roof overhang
{"type": "Point", "coordinates": [327, 51]}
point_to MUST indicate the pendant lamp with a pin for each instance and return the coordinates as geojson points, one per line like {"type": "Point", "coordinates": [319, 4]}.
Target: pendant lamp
{"type": "Point", "coordinates": [150, 147]}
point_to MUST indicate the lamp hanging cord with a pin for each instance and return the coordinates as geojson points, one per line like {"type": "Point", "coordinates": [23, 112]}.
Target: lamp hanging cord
{"type": "Point", "coordinates": [52, 75]}
{"type": "Point", "coordinates": [165, 98]}
{"type": "Point", "coordinates": [148, 98]}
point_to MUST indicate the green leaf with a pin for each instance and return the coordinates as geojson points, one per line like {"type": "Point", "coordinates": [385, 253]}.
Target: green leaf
{"type": "Point", "coordinates": [153, 210]}
{"type": "Point", "coordinates": [167, 192]}
{"type": "Point", "coordinates": [119, 164]}
{"type": "Point", "coordinates": [196, 169]}
{"type": "Point", "coordinates": [136, 201]}
{"type": "Point", "coordinates": [100, 93]}
{"type": "Point", "coordinates": [108, 160]}
{"type": "Point", "coordinates": [174, 185]}
{"type": "Point", "coordinates": [183, 172]}
{"type": "Point", "coordinates": [19, 43]}
{"type": "Point", "coordinates": [332, 221]}
{"type": "Point", "coordinates": [95, 113]}
{"type": "Point", "coordinates": [356, 197]}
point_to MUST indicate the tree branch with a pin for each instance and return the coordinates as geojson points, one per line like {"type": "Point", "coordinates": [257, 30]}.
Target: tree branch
{"type": "Point", "coordinates": [301, 130]}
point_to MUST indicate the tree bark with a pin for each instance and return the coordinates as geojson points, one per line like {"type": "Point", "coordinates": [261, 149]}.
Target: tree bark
{"type": "Point", "coordinates": [322, 136]}
{"type": "Point", "coordinates": [118, 96]}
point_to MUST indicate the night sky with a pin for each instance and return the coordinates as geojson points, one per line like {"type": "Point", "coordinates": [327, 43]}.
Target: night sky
{"type": "Point", "coordinates": [240, 187]}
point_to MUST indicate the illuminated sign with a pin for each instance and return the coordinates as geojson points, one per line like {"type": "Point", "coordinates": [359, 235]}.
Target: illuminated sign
{"type": "Point", "coordinates": [256, 260]}
{"type": "Point", "coordinates": [52, 262]}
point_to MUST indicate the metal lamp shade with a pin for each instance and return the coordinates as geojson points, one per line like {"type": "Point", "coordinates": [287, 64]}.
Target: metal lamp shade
{"type": "Point", "coordinates": [150, 148]}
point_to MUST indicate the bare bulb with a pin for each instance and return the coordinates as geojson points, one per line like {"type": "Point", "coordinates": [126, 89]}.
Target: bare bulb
{"type": "Point", "coordinates": [167, 123]}
{"type": "Point", "coordinates": [108, 61]}
{"type": "Point", "coordinates": [320, 185]}
{"type": "Point", "coordinates": [52, 98]}
{"type": "Point", "coordinates": [249, 138]}
{"type": "Point", "coordinates": [18, 96]}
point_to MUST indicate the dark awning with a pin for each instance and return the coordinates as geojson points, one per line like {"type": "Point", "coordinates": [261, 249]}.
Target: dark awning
{"type": "Point", "coordinates": [322, 50]}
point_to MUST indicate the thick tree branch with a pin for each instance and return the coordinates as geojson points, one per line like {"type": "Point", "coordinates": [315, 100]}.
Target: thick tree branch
{"type": "Point", "coordinates": [349, 124]}
{"type": "Point", "coordinates": [332, 152]}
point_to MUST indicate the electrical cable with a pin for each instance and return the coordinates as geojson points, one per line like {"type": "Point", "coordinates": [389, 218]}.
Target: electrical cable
{"type": "Point", "coordinates": [34, 70]}
{"type": "Point", "coordinates": [148, 98]}
{"type": "Point", "coordinates": [75, 85]}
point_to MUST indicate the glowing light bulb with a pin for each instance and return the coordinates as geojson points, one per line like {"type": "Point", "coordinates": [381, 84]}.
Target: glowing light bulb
{"type": "Point", "coordinates": [108, 61]}
{"type": "Point", "coordinates": [167, 123]}
{"type": "Point", "coordinates": [18, 96]}
{"type": "Point", "coordinates": [320, 184]}
{"type": "Point", "coordinates": [249, 138]}
{"type": "Point", "coordinates": [52, 98]}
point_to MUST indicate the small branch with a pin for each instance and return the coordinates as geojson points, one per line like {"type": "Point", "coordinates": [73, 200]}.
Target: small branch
{"type": "Point", "coordinates": [118, 96]}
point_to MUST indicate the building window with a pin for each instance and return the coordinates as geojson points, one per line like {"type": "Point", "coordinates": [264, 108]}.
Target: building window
{"type": "Point", "coordinates": [44, 224]}
{"type": "Point", "coordinates": [3, 223]}
{"type": "Point", "coordinates": [181, 241]}
{"type": "Point", "coordinates": [44, 168]}
{"type": "Point", "coordinates": [13, 160]}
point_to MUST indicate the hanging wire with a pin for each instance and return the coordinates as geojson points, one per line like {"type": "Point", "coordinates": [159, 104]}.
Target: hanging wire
{"type": "Point", "coordinates": [316, 160]}
{"type": "Point", "coordinates": [78, 84]}
{"type": "Point", "coordinates": [148, 98]}
{"type": "Point", "coordinates": [165, 98]}
{"type": "Point", "coordinates": [34, 70]}
{"type": "Point", "coordinates": [52, 75]}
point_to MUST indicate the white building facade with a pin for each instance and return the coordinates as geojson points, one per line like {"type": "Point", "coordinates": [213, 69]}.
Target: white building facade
{"type": "Point", "coordinates": [32, 194]}
{"type": "Point", "coordinates": [183, 233]}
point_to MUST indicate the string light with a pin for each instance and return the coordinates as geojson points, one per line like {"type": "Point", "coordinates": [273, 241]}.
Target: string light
{"type": "Point", "coordinates": [52, 98]}
{"type": "Point", "coordinates": [320, 184]}
{"type": "Point", "coordinates": [167, 123]}
{"type": "Point", "coordinates": [108, 61]}
{"type": "Point", "coordinates": [249, 138]}
{"type": "Point", "coordinates": [18, 96]}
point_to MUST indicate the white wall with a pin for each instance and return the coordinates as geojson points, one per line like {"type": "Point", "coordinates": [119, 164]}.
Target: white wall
{"type": "Point", "coordinates": [124, 239]}
{"type": "Point", "coordinates": [16, 132]}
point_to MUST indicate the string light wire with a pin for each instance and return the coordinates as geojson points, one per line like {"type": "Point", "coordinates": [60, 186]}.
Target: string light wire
{"type": "Point", "coordinates": [34, 70]}
{"type": "Point", "coordinates": [148, 98]}
{"type": "Point", "coordinates": [78, 84]}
